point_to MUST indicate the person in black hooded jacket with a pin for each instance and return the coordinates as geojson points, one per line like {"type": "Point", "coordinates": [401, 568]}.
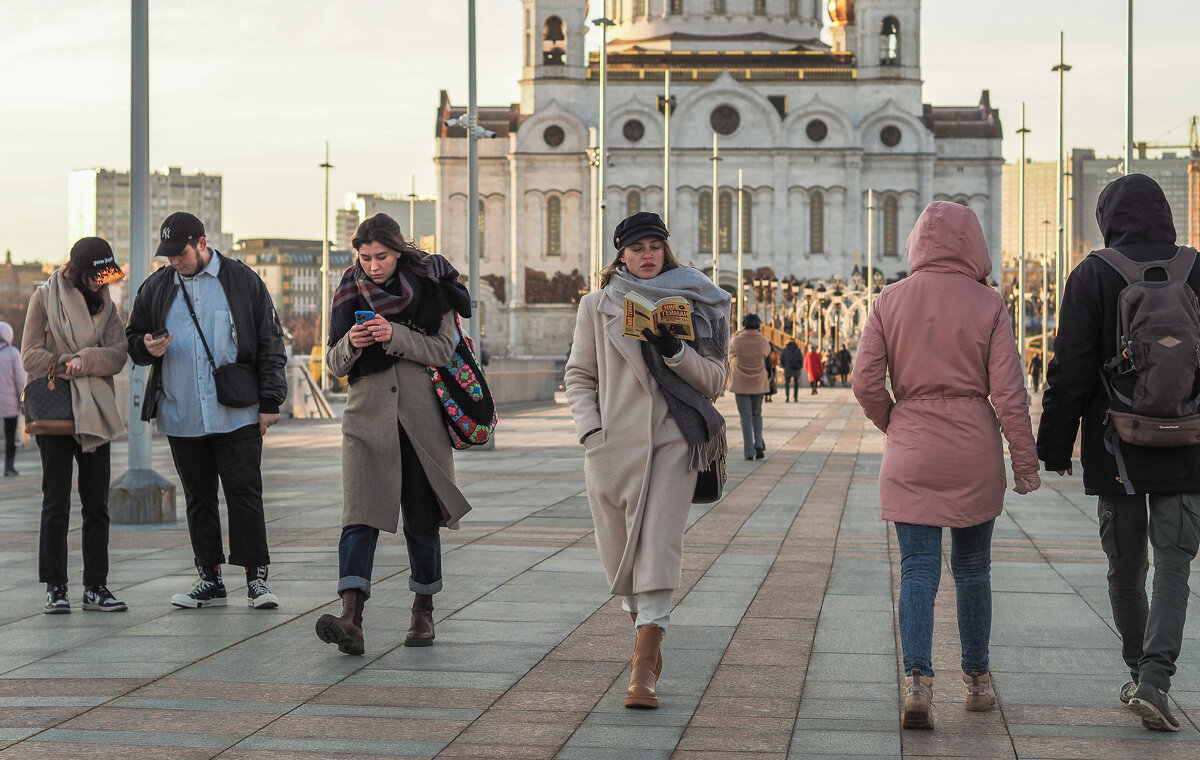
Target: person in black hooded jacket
{"type": "Point", "coordinates": [1135, 219]}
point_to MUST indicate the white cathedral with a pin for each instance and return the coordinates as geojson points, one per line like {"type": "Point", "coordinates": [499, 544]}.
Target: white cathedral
{"type": "Point", "coordinates": [813, 128]}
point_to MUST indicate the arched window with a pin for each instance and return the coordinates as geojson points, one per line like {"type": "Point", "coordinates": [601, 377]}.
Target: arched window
{"type": "Point", "coordinates": [482, 227]}
{"type": "Point", "coordinates": [633, 203]}
{"type": "Point", "coordinates": [718, 7]}
{"type": "Point", "coordinates": [793, 8]}
{"type": "Point", "coordinates": [639, 8]}
{"type": "Point", "coordinates": [891, 226]}
{"type": "Point", "coordinates": [816, 222]}
{"type": "Point", "coordinates": [704, 228]}
{"type": "Point", "coordinates": [746, 223]}
{"type": "Point", "coordinates": [889, 47]}
{"type": "Point", "coordinates": [725, 220]}
{"type": "Point", "coordinates": [554, 42]}
{"type": "Point", "coordinates": [760, 7]}
{"type": "Point", "coordinates": [553, 226]}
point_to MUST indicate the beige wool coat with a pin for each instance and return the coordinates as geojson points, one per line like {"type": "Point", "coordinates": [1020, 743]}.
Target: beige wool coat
{"type": "Point", "coordinates": [371, 471]}
{"type": "Point", "coordinates": [638, 482]}
{"type": "Point", "coordinates": [748, 352]}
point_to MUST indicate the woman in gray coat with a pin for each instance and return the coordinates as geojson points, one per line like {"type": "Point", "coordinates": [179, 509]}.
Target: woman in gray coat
{"type": "Point", "coordinates": [396, 456]}
{"type": "Point", "coordinates": [644, 415]}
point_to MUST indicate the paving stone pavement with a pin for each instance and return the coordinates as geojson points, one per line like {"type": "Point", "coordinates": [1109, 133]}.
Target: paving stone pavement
{"type": "Point", "coordinates": [783, 641]}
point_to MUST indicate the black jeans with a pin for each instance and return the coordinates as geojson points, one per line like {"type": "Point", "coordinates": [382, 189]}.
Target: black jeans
{"type": "Point", "coordinates": [1151, 634]}
{"type": "Point", "coordinates": [236, 459]}
{"type": "Point", "coordinates": [791, 384]}
{"type": "Point", "coordinates": [59, 453]}
{"type": "Point", "coordinates": [421, 517]}
{"type": "Point", "coordinates": [10, 438]}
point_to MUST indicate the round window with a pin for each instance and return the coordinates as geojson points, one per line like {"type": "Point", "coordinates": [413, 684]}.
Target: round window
{"type": "Point", "coordinates": [554, 135]}
{"type": "Point", "coordinates": [816, 130]}
{"type": "Point", "coordinates": [725, 119]}
{"type": "Point", "coordinates": [890, 135]}
{"type": "Point", "coordinates": [633, 130]}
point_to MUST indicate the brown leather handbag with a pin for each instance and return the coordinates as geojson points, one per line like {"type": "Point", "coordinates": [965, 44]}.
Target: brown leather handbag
{"type": "Point", "coordinates": [48, 405]}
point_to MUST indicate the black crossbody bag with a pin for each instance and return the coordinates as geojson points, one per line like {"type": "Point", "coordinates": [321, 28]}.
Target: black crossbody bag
{"type": "Point", "coordinates": [237, 385]}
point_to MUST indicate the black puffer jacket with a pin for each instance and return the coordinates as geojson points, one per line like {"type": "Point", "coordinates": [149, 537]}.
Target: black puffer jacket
{"type": "Point", "coordinates": [1136, 220]}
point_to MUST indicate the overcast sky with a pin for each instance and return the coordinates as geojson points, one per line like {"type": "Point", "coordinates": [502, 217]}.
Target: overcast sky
{"type": "Point", "coordinates": [251, 89]}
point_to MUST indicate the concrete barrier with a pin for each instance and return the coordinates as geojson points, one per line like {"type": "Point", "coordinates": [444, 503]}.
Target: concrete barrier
{"type": "Point", "coordinates": [523, 380]}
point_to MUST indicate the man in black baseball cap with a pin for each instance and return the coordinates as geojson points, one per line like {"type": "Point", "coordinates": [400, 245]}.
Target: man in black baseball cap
{"type": "Point", "coordinates": [176, 232]}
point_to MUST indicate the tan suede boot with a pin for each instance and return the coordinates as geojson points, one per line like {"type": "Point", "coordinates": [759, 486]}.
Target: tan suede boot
{"type": "Point", "coordinates": [345, 630]}
{"type": "Point", "coordinates": [657, 662]}
{"type": "Point", "coordinates": [643, 677]}
{"type": "Point", "coordinates": [918, 702]}
{"type": "Point", "coordinates": [420, 629]}
{"type": "Point", "coordinates": [979, 692]}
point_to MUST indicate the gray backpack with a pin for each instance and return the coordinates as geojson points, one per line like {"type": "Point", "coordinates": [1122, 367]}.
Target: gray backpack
{"type": "Point", "coordinates": [1152, 380]}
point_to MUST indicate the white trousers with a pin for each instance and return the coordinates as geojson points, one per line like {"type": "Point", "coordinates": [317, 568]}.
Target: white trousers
{"type": "Point", "coordinates": [650, 606]}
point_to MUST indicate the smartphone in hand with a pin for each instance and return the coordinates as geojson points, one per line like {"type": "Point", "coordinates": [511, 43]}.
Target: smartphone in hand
{"type": "Point", "coordinates": [363, 316]}
{"type": "Point", "coordinates": [159, 334]}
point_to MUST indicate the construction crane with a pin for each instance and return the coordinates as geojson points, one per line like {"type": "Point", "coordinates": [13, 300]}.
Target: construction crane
{"type": "Point", "coordinates": [1193, 171]}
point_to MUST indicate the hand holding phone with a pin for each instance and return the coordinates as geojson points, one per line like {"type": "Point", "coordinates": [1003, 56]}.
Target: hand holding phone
{"type": "Point", "coordinates": [159, 334]}
{"type": "Point", "coordinates": [157, 342]}
{"type": "Point", "coordinates": [363, 316]}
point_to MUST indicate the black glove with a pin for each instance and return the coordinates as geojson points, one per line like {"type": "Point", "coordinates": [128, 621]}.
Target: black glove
{"type": "Point", "coordinates": [664, 342]}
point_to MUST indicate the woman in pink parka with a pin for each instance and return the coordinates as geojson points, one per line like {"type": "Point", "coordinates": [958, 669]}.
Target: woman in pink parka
{"type": "Point", "coordinates": [946, 340]}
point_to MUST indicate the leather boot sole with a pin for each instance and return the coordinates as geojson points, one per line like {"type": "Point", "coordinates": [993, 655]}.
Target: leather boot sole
{"type": "Point", "coordinates": [329, 630]}
{"type": "Point", "coordinates": [918, 716]}
{"type": "Point", "coordinates": [642, 703]}
{"type": "Point", "coordinates": [418, 642]}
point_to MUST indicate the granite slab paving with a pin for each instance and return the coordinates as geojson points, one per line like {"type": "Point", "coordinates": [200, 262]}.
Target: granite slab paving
{"type": "Point", "coordinates": [783, 643]}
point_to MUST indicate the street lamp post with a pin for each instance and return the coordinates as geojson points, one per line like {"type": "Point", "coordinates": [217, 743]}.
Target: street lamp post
{"type": "Point", "coordinates": [472, 182]}
{"type": "Point", "coordinates": [601, 140]}
{"type": "Point", "coordinates": [667, 101]}
{"type": "Point", "coordinates": [412, 204]}
{"type": "Point", "coordinates": [870, 248]}
{"type": "Point", "coordinates": [1059, 264]}
{"type": "Point", "coordinates": [716, 222]}
{"type": "Point", "coordinates": [1023, 131]}
{"type": "Point", "coordinates": [326, 166]}
{"type": "Point", "coordinates": [1129, 88]}
{"type": "Point", "coordinates": [741, 307]}
{"type": "Point", "coordinates": [1045, 293]}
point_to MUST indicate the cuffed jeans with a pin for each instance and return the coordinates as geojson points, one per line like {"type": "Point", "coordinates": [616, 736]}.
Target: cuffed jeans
{"type": "Point", "coordinates": [235, 458]}
{"type": "Point", "coordinates": [749, 406]}
{"type": "Point", "coordinates": [920, 574]}
{"type": "Point", "coordinates": [650, 607]}
{"type": "Point", "coordinates": [421, 517]}
{"type": "Point", "coordinates": [1151, 634]}
{"type": "Point", "coordinates": [58, 453]}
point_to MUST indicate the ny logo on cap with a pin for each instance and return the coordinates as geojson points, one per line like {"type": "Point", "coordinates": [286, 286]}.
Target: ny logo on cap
{"type": "Point", "coordinates": [166, 233]}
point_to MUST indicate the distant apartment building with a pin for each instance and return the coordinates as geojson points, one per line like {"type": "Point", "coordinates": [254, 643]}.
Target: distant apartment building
{"type": "Point", "coordinates": [98, 205]}
{"type": "Point", "coordinates": [360, 206]}
{"type": "Point", "coordinates": [291, 270]}
{"type": "Point", "coordinates": [1040, 195]}
{"type": "Point", "coordinates": [17, 283]}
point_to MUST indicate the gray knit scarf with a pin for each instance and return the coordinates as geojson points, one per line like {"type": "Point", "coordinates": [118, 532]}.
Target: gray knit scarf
{"type": "Point", "coordinates": [702, 425]}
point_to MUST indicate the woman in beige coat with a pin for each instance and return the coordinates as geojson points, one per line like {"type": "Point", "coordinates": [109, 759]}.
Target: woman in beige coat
{"type": "Point", "coordinates": [73, 332]}
{"type": "Point", "coordinates": [749, 382]}
{"type": "Point", "coordinates": [397, 461]}
{"type": "Point", "coordinates": [643, 412]}
{"type": "Point", "coordinates": [947, 341]}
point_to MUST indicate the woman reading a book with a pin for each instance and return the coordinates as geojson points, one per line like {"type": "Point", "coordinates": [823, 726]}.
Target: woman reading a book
{"type": "Point", "coordinates": [644, 414]}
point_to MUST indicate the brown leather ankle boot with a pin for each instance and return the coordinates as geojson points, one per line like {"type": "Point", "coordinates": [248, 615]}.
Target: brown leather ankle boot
{"type": "Point", "coordinates": [657, 662]}
{"type": "Point", "coordinates": [645, 668]}
{"type": "Point", "coordinates": [420, 630]}
{"type": "Point", "coordinates": [345, 630]}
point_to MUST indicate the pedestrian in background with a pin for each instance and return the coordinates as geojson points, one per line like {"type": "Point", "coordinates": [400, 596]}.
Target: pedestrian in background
{"type": "Point", "coordinates": [12, 382]}
{"type": "Point", "coordinates": [397, 462]}
{"type": "Point", "coordinates": [73, 331]}
{"type": "Point", "coordinates": [792, 360]}
{"type": "Point", "coordinates": [202, 312]}
{"type": "Point", "coordinates": [645, 417]}
{"type": "Point", "coordinates": [814, 367]}
{"type": "Point", "coordinates": [844, 360]}
{"type": "Point", "coordinates": [1035, 371]}
{"type": "Point", "coordinates": [749, 381]}
{"type": "Point", "coordinates": [946, 339]}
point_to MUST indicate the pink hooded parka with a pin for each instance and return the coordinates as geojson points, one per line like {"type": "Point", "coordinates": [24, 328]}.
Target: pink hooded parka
{"type": "Point", "coordinates": [947, 342]}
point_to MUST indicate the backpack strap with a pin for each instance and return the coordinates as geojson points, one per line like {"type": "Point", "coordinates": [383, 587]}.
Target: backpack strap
{"type": "Point", "coordinates": [1178, 267]}
{"type": "Point", "coordinates": [1129, 269]}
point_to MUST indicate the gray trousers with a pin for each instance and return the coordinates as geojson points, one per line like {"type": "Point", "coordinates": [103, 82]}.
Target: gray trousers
{"type": "Point", "coordinates": [1151, 634]}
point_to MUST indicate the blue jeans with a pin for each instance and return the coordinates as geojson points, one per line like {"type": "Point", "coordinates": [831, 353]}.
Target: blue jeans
{"type": "Point", "coordinates": [920, 573]}
{"type": "Point", "coordinates": [749, 406]}
{"type": "Point", "coordinates": [421, 517]}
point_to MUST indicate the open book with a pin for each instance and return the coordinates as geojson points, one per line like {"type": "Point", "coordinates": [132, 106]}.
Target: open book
{"type": "Point", "coordinates": [674, 311]}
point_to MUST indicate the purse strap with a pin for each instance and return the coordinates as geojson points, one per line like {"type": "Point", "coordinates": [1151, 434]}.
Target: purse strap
{"type": "Point", "coordinates": [196, 322]}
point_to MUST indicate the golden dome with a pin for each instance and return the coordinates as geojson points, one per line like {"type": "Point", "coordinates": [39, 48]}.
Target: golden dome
{"type": "Point", "coordinates": [841, 12]}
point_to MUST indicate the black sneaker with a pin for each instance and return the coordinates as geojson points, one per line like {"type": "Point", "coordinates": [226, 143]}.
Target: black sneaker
{"type": "Point", "coordinates": [259, 596]}
{"type": "Point", "coordinates": [56, 600]}
{"type": "Point", "coordinates": [1150, 703]}
{"type": "Point", "coordinates": [206, 592]}
{"type": "Point", "coordinates": [100, 599]}
{"type": "Point", "coordinates": [1127, 691]}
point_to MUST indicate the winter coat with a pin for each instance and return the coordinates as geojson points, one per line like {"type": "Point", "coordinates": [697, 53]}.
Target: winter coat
{"type": "Point", "coordinates": [792, 359]}
{"type": "Point", "coordinates": [1134, 218]}
{"type": "Point", "coordinates": [748, 351]}
{"type": "Point", "coordinates": [12, 381]}
{"type": "Point", "coordinates": [814, 366]}
{"type": "Point", "coordinates": [371, 471]}
{"type": "Point", "coordinates": [947, 342]}
{"type": "Point", "coordinates": [636, 467]}
{"type": "Point", "coordinates": [844, 361]}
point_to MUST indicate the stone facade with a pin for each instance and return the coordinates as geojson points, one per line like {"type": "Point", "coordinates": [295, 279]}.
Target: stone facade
{"type": "Point", "coordinates": [813, 128]}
